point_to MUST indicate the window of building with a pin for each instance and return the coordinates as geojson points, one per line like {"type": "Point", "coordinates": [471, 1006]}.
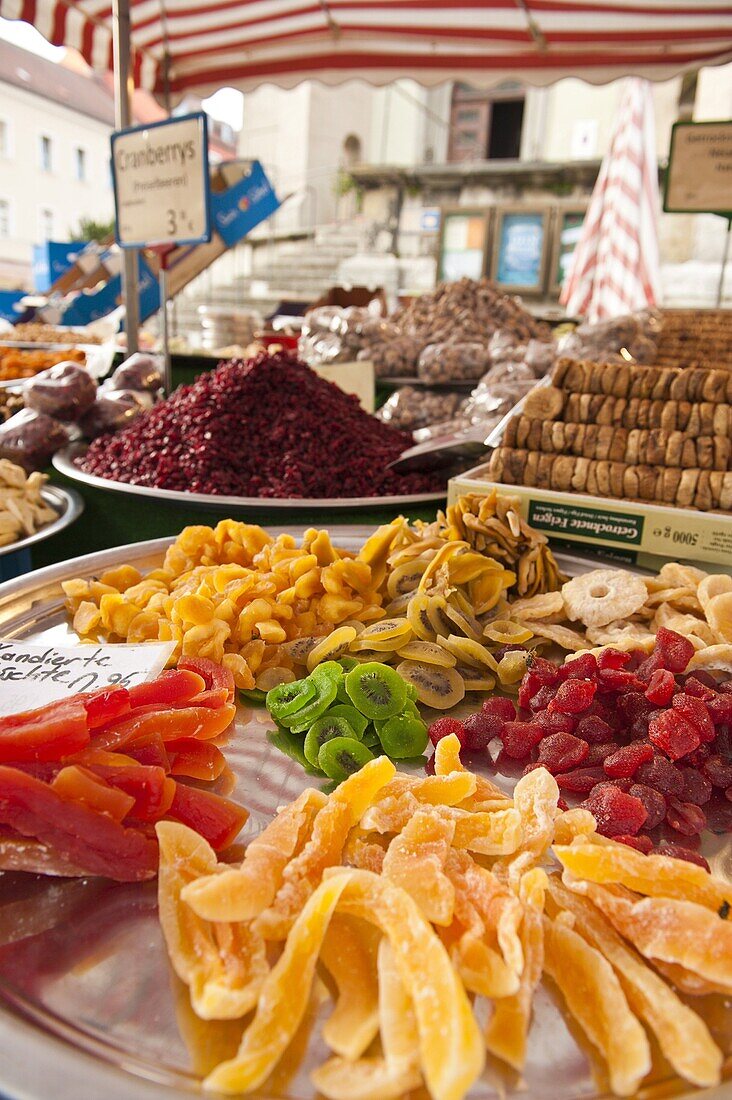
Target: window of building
{"type": "Point", "coordinates": [80, 164]}
{"type": "Point", "coordinates": [45, 224]}
{"type": "Point", "coordinates": [485, 126]}
{"type": "Point", "coordinates": [4, 219]}
{"type": "Point", "coordinates": [504, 141]}
{"type": "Point", "coordinates": [45, 150]}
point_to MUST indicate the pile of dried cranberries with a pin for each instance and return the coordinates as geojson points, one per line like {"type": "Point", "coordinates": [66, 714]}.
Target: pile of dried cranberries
{"type": "Point", "coordinates": [646, 743]}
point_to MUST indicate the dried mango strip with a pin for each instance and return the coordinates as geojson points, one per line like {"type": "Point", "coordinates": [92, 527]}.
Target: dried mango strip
{"type": "Point", "coordinates": [508, 1027]}
{"type": "Point", "coordinates": [242, 893]}
{"type": "Point", "coordinates": [344, 809]}
{"type": "Point", "coordinates": [415, 860]}
{"type": "Point", "coordinates": [536, 799]}
{"type": "Point", "coordinates": [682, 1035]}
{"type": "Point", "coordinates": [673, 931]}
{"type": "Point", "coordinates": [284, 996]}
{"type": "Point", "coordinates": [492, 908]}
{"type": "Point", "coordinates": [224, 965]}
{"type": "Point", "coordinates": [450, 1045]}
{"type": "Point", "coordinates": [349, 955]}
{"type": "Point", "coordinates": [447, 761]}
{"type": "Point", "coordinates": [657, 876]}
{"type": "Point", "coordinates": [596, 1000]}
{"type": "Point", "coordinates": [435, 790]}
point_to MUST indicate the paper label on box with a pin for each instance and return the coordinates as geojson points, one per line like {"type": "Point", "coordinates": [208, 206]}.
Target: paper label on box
{"type": "Point", "coordinates": [33, 674]}
{"type": "Point", "coordinates": [586, 523]}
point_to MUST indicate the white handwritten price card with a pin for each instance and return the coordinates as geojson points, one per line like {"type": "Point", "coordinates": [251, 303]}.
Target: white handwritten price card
{"type": "Point", "coordinates": [32, 675]}
{"type": "Point", "coordinates": [161, 183]}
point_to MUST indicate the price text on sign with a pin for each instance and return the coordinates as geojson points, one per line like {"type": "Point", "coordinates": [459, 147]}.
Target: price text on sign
{"type": "Point", "coordinates": [161, 188]}
{"type": "Point", "coordinates": [33, 674]}
{"type": "Point", "coordinates": [699, 174]}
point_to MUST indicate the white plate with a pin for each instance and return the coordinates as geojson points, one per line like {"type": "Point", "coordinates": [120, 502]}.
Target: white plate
{"type": "Point", "coordinates": [69, 506]}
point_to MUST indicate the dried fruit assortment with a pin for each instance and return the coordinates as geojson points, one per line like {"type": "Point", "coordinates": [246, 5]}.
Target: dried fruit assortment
{"type": "Point", "coordinates": [19, 363]}
{"type": "Point", "coordinates": [347, 713]}
{"type": "Point", "coordinates": [256, 429]}
{"type": "Point", "coordinates": [35, 332]}
{"type": "Point", "coordinates": [23, 511]}
{"type": "Point", "coordinates": [393, 871]}
{"type": "Point", "coordinates": [640, 433]}
{"type": "Point", "coordinates": [84, 779]}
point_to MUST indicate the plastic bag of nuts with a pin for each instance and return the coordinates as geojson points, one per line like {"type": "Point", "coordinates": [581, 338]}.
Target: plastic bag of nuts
{"type": "Point", "coordinates": [410, 408]}
{"type": "Point", "coordinates": [453, 362]}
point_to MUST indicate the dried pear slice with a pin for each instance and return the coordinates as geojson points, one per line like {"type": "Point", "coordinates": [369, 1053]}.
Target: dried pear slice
{"type": "Point", "coordinates": [283, 997]}
{"type": "Point", "coordinates": [242, 893]}
{"type": "Point", "coordinates": [332, 647]}
{"type": "Point", "coordinates": [682, 1035]}
{"type": "Point", "coordinates": [655, 875]}
{"type": "Point", "coordinates": [596, 1000]}
{"type": "Point", "coordinates": [428, 653]}
{"type": "Point", "coordinates": [419, 618]}
{"type": "Point", "coordinates": [440, 688]}
{"type": "Point", "coordinates": [386, 634]}
{"type": "Point", "coordinates": [469, 652]}
{"type": "Point", "coordinates": [349, 955]}
{"type": "Point", "coordinates": [201, 952]}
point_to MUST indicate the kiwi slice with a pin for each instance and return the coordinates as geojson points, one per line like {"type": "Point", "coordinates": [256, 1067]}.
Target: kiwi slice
{"type": "Point", "coordinates": [403, 736]}
{"type": "Point", "coordinates": [347, 663]}
{"type": "Point", "coordinates": [253, 696]}
{"type": "Point", "coordinates": [325, 729]}
{"type": "Point", "coordinates": [287, 699]}
{"type": "Point", "coordinates": [325, 681]}
{"type": "Point", "coordinates": [291, 746]}
{"type": "Point", "coordinates": [437, 687]}
{"type": "Point", "coordinates": [355, 719]}
{"type": "Point", "coordinates": [342, 756]}
{"type": "Point", "coordinates": [371, 739]}
{"type": "Point", "coordinates": [376, 690]}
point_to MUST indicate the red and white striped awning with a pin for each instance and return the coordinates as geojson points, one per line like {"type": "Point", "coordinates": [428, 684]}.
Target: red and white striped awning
{"type": "Point", "coordinates": [243, 43]}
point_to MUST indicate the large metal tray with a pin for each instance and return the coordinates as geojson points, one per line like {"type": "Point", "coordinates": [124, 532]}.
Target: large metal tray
{"type": "Point", "coordinates": [69, 506]}
{"type": "Point", "coordinates": [89, 1008]}
{"type": "Point", "coordinates": [66, 459]}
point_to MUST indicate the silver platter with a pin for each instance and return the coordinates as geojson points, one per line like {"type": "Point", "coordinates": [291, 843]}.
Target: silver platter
{"type": "Point", "coordinates": [69, 506]}
{"type": "Point", "coordinates": [65, 463]}
{"type": "Point", "coordinates": [87, 998]}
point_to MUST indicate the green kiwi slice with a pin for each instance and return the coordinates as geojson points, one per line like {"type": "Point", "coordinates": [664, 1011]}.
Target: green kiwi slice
{"type": "Point", "coordinates": [403, 736]}
{"type": "Point", "coordinates": [347, 663]}
{"type": "Point", "coordinates": [254, 696]}
{"type": "Point", "coordinates": [325, 682]}
{"type": "Point", "coordinates": [371, 740]}
{"type": "Point", "coordinates": [342, 756]}
{"type": "Point", "coordinates": [287, 699]}
{"type": "Point", "coordinates": [291, 746]}
{"type": "Point", "coordinates": [376, 690]}
{"type": "Point", "coordinates": [325, 729]}
{"type": "Point", "coordinates": [355, 719]}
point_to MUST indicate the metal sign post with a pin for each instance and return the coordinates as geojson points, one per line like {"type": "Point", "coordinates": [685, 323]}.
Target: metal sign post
{"type": "Point", "coordinates": [161, 194]}
{"type": "Point", "coordinates": [122, 119]}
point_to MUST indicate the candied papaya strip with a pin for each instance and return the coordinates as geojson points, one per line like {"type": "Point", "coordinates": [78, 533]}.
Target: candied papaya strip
{"type": "Point", "coordinates": [216, 677]}
{"type": "Point", "coordinates": [195, 759]}
{"type": "Point", "coordinates": [224, 965]}
{"type": "Point", "coordinates": [595, 999]}
{"type": "Point", "coordinates": [682, 1035]}
{"type": "Point", "coordinates": [497, 909]}
{"type": "Point", "coordinates": [149, 750]}
{"type": "Point", "coordinates": [508, 1027]}
{"type": "Point", "coordinates": [48, 733]}
{"type": "Point", "coordinates": [451, 1049]}
{"type": "Point", "coordinates": [242, 893]}
{"type": "Point", "coordinates": [415, 860]}
{"type": "Point", "coordinates": [345, 809]}
{"type": "Point", "coordinates": [149, 788]}
{"type": "Point", "coordinates": [349, 955]}
{"type": "Point", "coordinates": [397, 1021]}
{"type": "Point", "coordinates": [283, 997]}
{"type": "Point", "coordinates": [80, 835]}
{"type": "Point", "coordinates": [686, 982]}
{"type": "Point", "coordinates": [90, 789]}
{"type": "Point", "coordinates": [202, 722]}
{"type": "Point", "coordinates": [654, 875]}
{"type": "Point", "coordinates": [668, 929]}
{"type": "Point", "coordinates": [178, 685]}
{"type": "Point", "coordinates": [217, 819]}
{"type": "Point", "coordinates": [482, 967]}
{"type": "Point", "coordinates": [105, 705]}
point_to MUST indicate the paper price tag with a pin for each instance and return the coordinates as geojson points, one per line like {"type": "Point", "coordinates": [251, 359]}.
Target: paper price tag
{"type": "Point", "coordinates": [33, 674]}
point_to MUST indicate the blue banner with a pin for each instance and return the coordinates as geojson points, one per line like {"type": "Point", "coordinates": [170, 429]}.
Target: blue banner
{"type": "Point", "coordinates": [242, 207]}
{"type": "Point", "coordinates": [52, 259]}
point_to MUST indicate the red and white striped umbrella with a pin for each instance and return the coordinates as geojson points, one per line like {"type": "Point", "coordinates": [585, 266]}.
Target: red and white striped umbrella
{"type": "Point", "coordinates": [200, 45]}
{"type": "Point", "coordinates": [615, 267]}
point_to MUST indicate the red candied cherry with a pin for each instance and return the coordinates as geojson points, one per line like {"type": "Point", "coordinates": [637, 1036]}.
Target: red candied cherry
{"type": "Point", "coordinates": [573, 697]}
{"type": "Point", "coordinates": [613, 658]}
{"type": "Point", "coordinates": [501, 707]}
{"type": "Point", "coordinates": [560, 752]}
{"type": "Point", "coordinates": [616, 813]}
{"type": "Point", "coordinates": [696, 712]}
{"type": "Point", "coordinates": [675, 650]}
{"type": "Point", "coordinates": [661, 774]}
{"type": "Point", "coordinates": [685, 817]}
{"type": "Point", "coordinates": [697, 787]}
{"type": "Point", "coordinates": [641, 843]}
{"type": "Point", "coordinates": [520, 738]}
{"type": "Point", "coordinates": [593, 729]}
{"type": "Point", "coordinates": [661, 687]}
{"type": "Point", "coordinates": [719, 771]}
{"type": "Point", "coordinates": [581, 780]}
{"type": "Point", "coordinates": [443, 727]}
{"type": "Point", "coordinates": [625, 762]}
{"type": "Point", "coordinates": [654, 802]}
{"type": "Point", "coordinates": [583, 667]}
{"type": "Point", "coordinates": [674, 734]}
{"type": "Point", "coordinates": [480, 729]}
{"type": "Point", "coordinates": [677, 851]}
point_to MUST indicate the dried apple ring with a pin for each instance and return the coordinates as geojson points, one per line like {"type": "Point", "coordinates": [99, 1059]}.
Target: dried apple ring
{"type": "Point", "coordinates": [507, 632]}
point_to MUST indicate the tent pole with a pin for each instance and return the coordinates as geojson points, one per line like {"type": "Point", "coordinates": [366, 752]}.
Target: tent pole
{"type": "Point", "coordinates": [122, 119]}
